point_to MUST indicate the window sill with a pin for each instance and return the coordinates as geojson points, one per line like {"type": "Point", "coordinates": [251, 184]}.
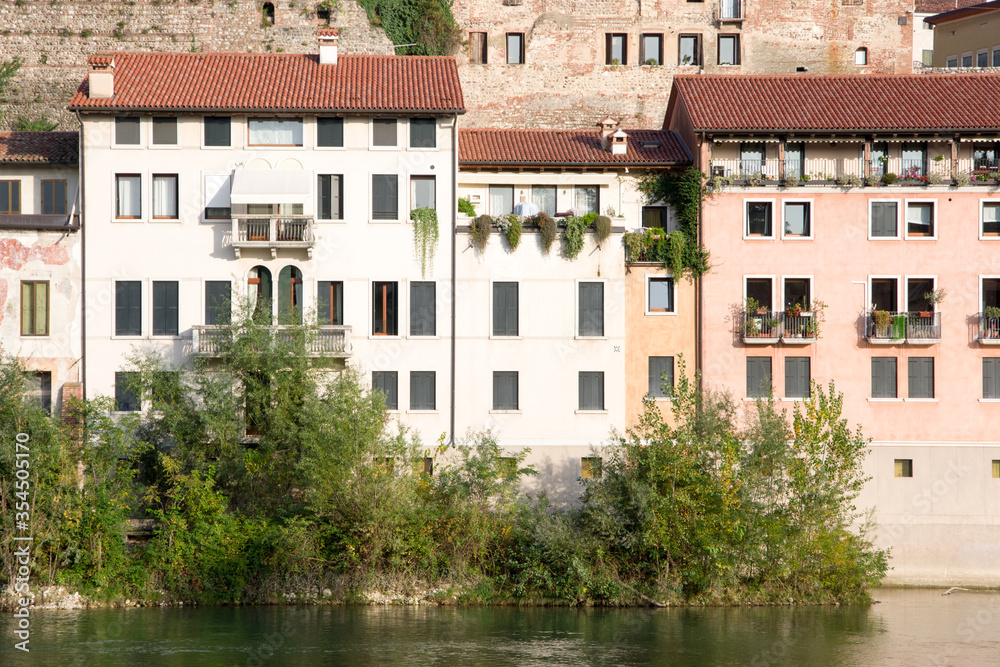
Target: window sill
{"type": "Point", "coordinates": [383, 148]}
{"type": "Point", "coordinates": [920, 400]}
{"type": "Point", "coordinates": [373, 221]}
{"type": "Point", "coordinates": [129, 337]}
{"type": "Point", "coordinates": [885, 400]}
{"type": "Point", "coordinates": [275, 147]}
{"type": "Point", "coordinates": [884, 238]}
{"type": "Point", "coordinates": [506, 338]}
{"type": "Point", "coordinates": [331, 221]}
{"type": "Point", "coordinates": [591, 412]}
{"type": "Point", "coordinates": [167, 220]}
{"type": "Point", "coordinates": [128, 220]}
{"type": "Point", "coordinates": [218, 148]}
{"type": "Point", "coordinates": [793, 399]}
{"type": "Point", "coordinates": [754, 399]}
{"type": "Point", "coordinates": [579, 337]}
{"type": "Point", "coordinates": [759, 238]}
{"type": "Point", "coordinates": [381, 337]}
{"type": "Point", "coordinates": [166, 337]}
{"type": "Point", "coordinates": [425, 149]}
{"type": "Point", "coordinates": [505, 412]}
{"type": "Point", "coordinates": [417, 337]}
{"type": "Point", "coordinates": [658, 313]}
{"type": "Point", "coordinates": [913, 237]}
{"type": "Point", "coordinates": [331, 148]}
{"type": "Point", "coordinates": [989, 400]}
{"type": "Point", "coordinates": [792, 237]}
{"type": "Point", "coordinates": [127, 147]}
{"type": "Point", "coordinates": [164, 147]}
{"type": "Point", "coordinates": [663, 399]}
{"type": "Point", "coordinates": [421, 412]}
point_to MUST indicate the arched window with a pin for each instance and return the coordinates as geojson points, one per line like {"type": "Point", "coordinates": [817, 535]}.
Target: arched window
{"type": "Point", "coordinates": [290, 296]}
{"type": "Point", "coordinates": [267, 14]}
{"type": "Point", "coordinates": [259, 294]}
{"type": "Point", "coordinates": [861, 56]}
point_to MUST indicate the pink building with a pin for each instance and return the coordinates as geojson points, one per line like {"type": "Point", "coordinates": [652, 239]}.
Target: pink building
{"type": "Point", "coordinates": [854, 229]}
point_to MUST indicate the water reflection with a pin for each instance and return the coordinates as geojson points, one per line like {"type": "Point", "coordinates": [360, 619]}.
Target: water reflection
{"type": "Point", "coordinates": [909, 627]}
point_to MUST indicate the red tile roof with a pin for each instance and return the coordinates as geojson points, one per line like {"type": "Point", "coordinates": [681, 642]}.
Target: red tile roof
{"type": "Point", "coordinates": [45, 147]}
{"type": "Point", "coordinates": [328, 32]}
{"type": "Point", "coordinates": [295, 82]}
{"type": "Point", "coordinates": [963, 12]}
{"type": "Point", "coordinates": [938, 6]}
{"type": "Point", "coordinates": [840, 103]}
{"type": "Point", "coordinates": [567, 147]}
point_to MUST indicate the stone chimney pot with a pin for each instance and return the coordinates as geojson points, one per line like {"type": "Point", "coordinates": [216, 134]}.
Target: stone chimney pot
{"type": "Point", "coordinates": [328, 46]}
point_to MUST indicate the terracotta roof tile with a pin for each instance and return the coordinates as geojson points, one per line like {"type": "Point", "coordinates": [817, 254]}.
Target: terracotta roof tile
{"type": "Point", "coordinates": [225, 81]}
{"type": "Point", "coordinates": [328, 32]}
{"type": "Point", "coordinates": [938, 6]}
{"type": "Point", "coordinates": [50, 147]}
{"type": "Point", "coordinates": [559, 147]}
{"type": "Point", "coordinates": [964, 11]}
{"type": "Point", "coordinates": [852, 102]}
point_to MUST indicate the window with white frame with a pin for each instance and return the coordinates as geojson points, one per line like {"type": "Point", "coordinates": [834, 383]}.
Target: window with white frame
{"type": "Point", "coordinates": [758, 377]}
{"type": "Point", "coordinates": [920, 219]}
{"type": "Point", "coordinates": [990, 218]}
{"type": "Point", "coordinates": [422, 192]}
{"type": "Point", "coordinates": [387, 382]}
{"type": "Point", "coordinates": [385, 309]}
{"type": "Point", "coordinates": [544, 197]}
{"type": "Point", "coordinates": [797, 293]}
{"type": "Point", "coordinates": [165, 196]}
{"type": "Point", "coordinates": [591, 390]}
{"type": "Point", "coordinates": [128, 308]}
{"type": "Point", "coordinates": [661, 377]}
{"type": "Point", "coordinates": [423, 308]}
{"type": "Point", "coordinates": [659, 295]}
{"type": "Point", "coordinates": [921, 377]}
{"type": "Point", "coordinates": [329, 132]}
{"type": "Point", "coordinates": [164, 130]}
{"type": "Point", "coordinates": [759, 219]}
{"type": "Point", "coordinates": [165, 302]}
{"type": "Point", "coordinates": [218, 131]}
{"type": "Point", "coordinates": [983, 58]}
{"type": "Point", "coordinates": [330, 303]}
{"type": "Point", "coordinates": [423, 133]}
{"type": "Point", "coordinates": [797, 219]}
{"type": "Point", "coordinates": [884, 377]}
{"type": "Point", "coordinates": [966, 60]}
{"type": "Point", "coordinates": [423, 395]}
{"type": "Point", "coordinates": [586, 199]}
{"type": "Point", "coordinates": [883, 220]}
{"type": "Point", "coordinates": [217, 203]}
{"type": "Point", "coordinates": [385, 197]}
{"type": "Point", "coordinates": [505, 310]}
{"type": "Point", "coordinates": [330, 199]}
{"type": "Point", "coordinates": [505, 390]}
{"type": "Point", "coordinates": [501, 199]}
{"type": "Point", "coordinates": [885, 294]}
{"type": "Point", "coordinates": [591, 309]}
{"type": "Point", "coordinates": [218, 302]}
{"type": "Point", "coordinates": [797, 377]}
{"type": "Point", "coordinates": [274, 132]}
{"type": "Point", "coordinates": [656, 217]}
{"type": "Point", "coordinates": [127, 130]}
{"type": "Point", "coordinates": [128, 196]}
{"type": "Point", "coordinates": [761, 291]}
{"type": "Point", "coordinates": [861, 57]}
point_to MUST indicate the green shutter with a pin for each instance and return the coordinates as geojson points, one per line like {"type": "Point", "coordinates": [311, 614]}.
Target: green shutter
{"type": "Point", "coordinates": [423, 316]}
{"type": "Point", "coordinates": [218, 298]}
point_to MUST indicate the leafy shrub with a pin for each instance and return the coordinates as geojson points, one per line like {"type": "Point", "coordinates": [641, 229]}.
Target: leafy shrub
{"type": "Point", "coordinates": [889, 178]}
{"type": "Point", "coordinates": [513, 231]}
{"type": "Point", "coordinates": [465, 206]}
{"type": "Point", "coordinates": [550, 230]}
{"type": "Point", "coordinates": [481, 231]}
{"type": "Point", "coordinates": [602, 228]}
{"type": "Point", "coordinates": [589, 218]}
{"type": "Point", "coordinates": [575, 230]}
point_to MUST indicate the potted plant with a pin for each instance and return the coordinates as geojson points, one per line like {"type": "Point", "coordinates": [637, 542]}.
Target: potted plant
{"type": "Point", "coordinates": [991, 327]}
{"type": "Point", "coordinates": [882, 319]}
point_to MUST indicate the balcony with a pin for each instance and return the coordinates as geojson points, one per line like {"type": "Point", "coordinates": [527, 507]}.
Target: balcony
{"type": "Point", "coordinates": [762, 327]}
{"type": "Point", "coordinates": [324, 341]}
{"type": "Point", "coordinates": [848, 171]}
{"type": "Point", "coordinates": [273, 232]}
{"type": "Point", "coordinates": [798, 329]}
{"type": "Point", "coordinates": [729, 11]}
{"type": "Point", "coordinates": [989, 329]}
{"type": "Point", "coordinates": [916, 327]}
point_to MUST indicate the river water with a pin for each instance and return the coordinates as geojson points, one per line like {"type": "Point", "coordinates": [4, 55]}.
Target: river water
{"type": "Point", "coordinates": [908, 627]}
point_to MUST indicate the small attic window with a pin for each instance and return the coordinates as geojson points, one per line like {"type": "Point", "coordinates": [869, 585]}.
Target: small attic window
{"type": "Point", "coordinates": [267, 14]}
{"type": "Point", "coordinates": [861, 57]}
{"type": "Point", "coordinates": [650, 144]}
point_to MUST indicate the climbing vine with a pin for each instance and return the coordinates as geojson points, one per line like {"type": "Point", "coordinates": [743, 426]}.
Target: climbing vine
{"type": "Point", "coordinates": [680, 249]}
{"type": "Point", "coordinates": [425, 236]}
{"type": "Point", "coordinates": [576, 227]}
{"type": "Point", "coordinates": [428, 25]}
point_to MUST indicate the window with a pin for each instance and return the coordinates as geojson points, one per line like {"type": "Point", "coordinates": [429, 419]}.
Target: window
{"type": "Point", "coordinates": [795, 160]}
{"type": "Point", "coordinates": [427, 466]}
{"type": "Point", "coordinates": [983, 58]}
{"type": "Point", "coordinates": [991, 292]}
{"type": "Point", "coordinates": [590, 467]}
{"type": "Point", "coordinates": [165, 196]}
{"type": "Point", "coordinates": [217, 202]}
{"type": "Point", "coordinates": [996, 463]}
{"type": "Point", "coordinates": [661, 377]}
{"type": "Point", "coordinates": [914, 160]}
{"type": "Point", "coordinates": [758, 377]}
{"type": "Point", "coordinates": [501, 199]}
{"type": "Point", "coordinates": [384, 132]}
{"type": "Point", "coordinates": [505, 390]}
{"type": "Point", "coordinates": [128, 196]}
{"type": "Point", "coordinates": [329, 132]}
{"type": "Point", "coordinates": [884, 220]}
{"type": "Point", "coordinates": [991, 377]}
{"type": "Point", "coordinates": [884, 377]}
{"type": "Point", "coordinates": [385, 197]}
{"type": "Point", "coordinates": [798, 219]}
{"type": "Point", "coordinates": [966, 60]}
{"type": "Point", "coordinates": [423, 133]}
{"type": "Point", "coordinates": [916, 291]}
{"type": "Point", "coordinates": [422, 192]}
{"type": "Point", "coordinates": [759, 219]}
{"type": "Point", "coordinates": [759, 289]}
{"type": "Point", "coordinates": [387, 382]}
{"type": "Point", "coordinates": [384, 309]}
{"type": "Point", "coordinates": [38, 389]}
{"type": "Point", "coordinates": [289, 295]}
{"type": "Point", "coordinates": [591, 390]}
{"type": "Point", "coordinates": [752, 157]}
{"type": "Point", "coordinates": [53, 197]}
{"type": "Point", "coordinates": [544, 197]}
{"type": "Point", "coordinates": [656, 217]}
{"type": "Point", "coordinates": [861, 57]}
{"type": "Point", "coordinates": [10, 197]}
{"type": "Point", "coordinates": [505, 309]}
{"type": "Point", "coordinates": [260, 290]}
{"type": "Point", "coordinates": [218, 300]}
{"type": "Point", "coordinates": [164, 131]}
{"type": "Point", "coordinates": [478, 48]}
{"type": "Point", "coordinates": [128, 308]}
{"type": "Point", "coordinates": [659, 295]}
{"type": "Point", "coordinates": [267, 14]}
{"type": "Point", "coordinates": [990, 217]}
{"type": "Point", "coordinates": [615, 49]}
{"type": "Point", "coordinates": [884, 294]}
{"type": "Point", "coordinates": [274, 132]}
{"type": "Point", "coordinates": [689, 50]}
{"type": "Point", "coordinates": [984, 156]}
{"type": "Point", "coordinates": [126, 398]}
{"type": "Point", "coordinates": [218, 131]}
{"type": "Point", "coordinates": [902, 468]}
{"type": "Point", "coordinates": [127, 131]}
{"type": "Point", "coordinates": [164, 307]}
{"type": "Point", "coordinates": [423, 309]}
{"type": "Point", "coordinates": [920, 219]}
{"type": "Point", "coordinates": [34, 307]}
{"type": "Point", "coordinates": [996, 56]}
{"type": "Point", "coordinates": [515, 48]}
{"type": "Point", "coordinates": [586, 199]}
{"type": "Point", "coordinates": [331, 196]}
{"type": "Point", "coordinates": [652, 49]}
{"type": "Point", "coordinates": [729, 49]}
{"type": "Point", "coordinates": [797, 377]}
{"type": "Point", "coordinates": [798, 293]}
{"type": "Point", "coordinates": [952, 62]}
{"type": "Point", "coordinates": [591, 309]}
{"type": "Point", "coordinates": [330, 303]}
{"type": "Point", "coordinates": [422, 391]}
{"type": "Point", "coordinates": [921, 384]}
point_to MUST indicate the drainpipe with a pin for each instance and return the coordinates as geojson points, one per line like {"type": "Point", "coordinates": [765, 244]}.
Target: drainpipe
{"type": "Point", "coordinates": [81, 176]}
{"type": "Point", "coordinates": [454, 244]}
{"type": "Point", "coordinates": [698, 293]}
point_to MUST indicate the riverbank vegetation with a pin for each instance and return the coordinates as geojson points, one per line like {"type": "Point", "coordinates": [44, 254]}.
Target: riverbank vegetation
{"type": "Point", "coordinates": [268, 471]}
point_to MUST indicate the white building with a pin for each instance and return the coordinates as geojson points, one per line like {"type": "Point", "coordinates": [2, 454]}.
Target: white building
{"type": "Point", "coordinates": [40, 302]}
{"type": "Point", "coordinates": [216, 177]}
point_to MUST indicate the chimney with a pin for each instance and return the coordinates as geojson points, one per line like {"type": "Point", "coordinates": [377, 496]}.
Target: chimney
{"type": "Point", "coordinates": [102, 76]}
{"type": "Point", "coordinates": [608, 127]}
{"type": "Point", "coordinates": [619, 143]}
{"type": "Point", "coordinates": [328, 46]}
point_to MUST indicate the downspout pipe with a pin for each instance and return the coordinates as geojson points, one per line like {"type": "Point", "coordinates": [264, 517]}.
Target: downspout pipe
{"type": "Point", "coordinates": [454, 245]}
{"type": "Point", "coordinates": [81, 179]}
{"type": "Point", "coordinates": [698, 291]}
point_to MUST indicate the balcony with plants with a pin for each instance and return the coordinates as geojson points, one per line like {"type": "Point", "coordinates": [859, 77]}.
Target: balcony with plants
{"type": "Point", "coordinates": [209, 340]}
{"type": "Point", "coordinates": [988, 323]}
{"type": "Point", "coordinates": [759, 325]}
{"type": "Point", "coordinates": [800, 324]}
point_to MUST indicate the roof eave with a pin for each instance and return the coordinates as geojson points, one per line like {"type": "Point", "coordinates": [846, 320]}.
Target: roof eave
{"type": "Point", "coordinates": [866, 130]}
{"type": "Point", "coordinates": [495, 163]}
{"type": "Point", "coordinates": [249, 110]}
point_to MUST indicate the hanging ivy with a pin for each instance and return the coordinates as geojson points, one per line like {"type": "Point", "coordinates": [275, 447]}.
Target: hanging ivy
{"type": "Point", "coordinates": [576, 227]}
{"type": "Point", "coordinates": [425, 236]}
{"type": "Point", "coordinates": [480, 228]}
{"type": "Point", "coordinates": [680, 249]}
{"type": "Point", "coordinates": [428, 25]}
